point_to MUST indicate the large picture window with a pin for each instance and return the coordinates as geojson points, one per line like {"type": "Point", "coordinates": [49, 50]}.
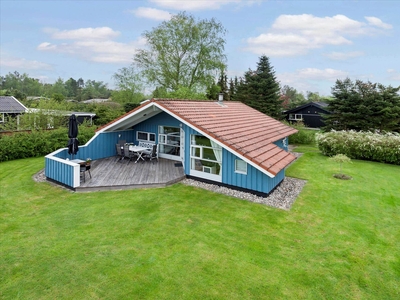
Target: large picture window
{"type": "Point", "coordinates": [205, 155]}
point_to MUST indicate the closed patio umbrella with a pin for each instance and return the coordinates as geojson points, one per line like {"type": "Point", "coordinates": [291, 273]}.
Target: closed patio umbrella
{"type": "Point", "coordinates": [73, 142]}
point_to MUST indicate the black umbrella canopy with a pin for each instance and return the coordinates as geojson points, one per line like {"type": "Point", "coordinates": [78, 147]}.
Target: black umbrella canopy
{"type": "Point", "coordinates": [72, 127]}
{"type": "Point", "coordinates": [73, 142]}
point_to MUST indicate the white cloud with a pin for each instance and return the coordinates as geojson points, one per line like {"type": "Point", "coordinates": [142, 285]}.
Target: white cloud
{"type": "Point", "coordinates": [200, 4]}
{"type": "Point", "coordinates": [92, 44]}
{"type": "Point", "coordinates": [344, 55]}
{"type": "Point", "coordinates": [378, 23]}
{"type": "Point", "coordinates": [312, 79]}
{"type": "Point", "coordinates": [102, 33]}
{"type": "Point", "coordinates": [318, 74]}
{"type": "Point", "coordinates": [151, 13]}
{"type": "Point", "coordinates": [292, 35]}
{"type": "Point", "coordinates": [393, 74]}
{"type": "Point", "coordinates": [22, 63]}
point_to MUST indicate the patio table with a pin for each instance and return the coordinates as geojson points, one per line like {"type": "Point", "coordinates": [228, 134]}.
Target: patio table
{"type": "Point", "coordinates": [139, 150]}
{"type": "Point", "coordinates": [77, 161]}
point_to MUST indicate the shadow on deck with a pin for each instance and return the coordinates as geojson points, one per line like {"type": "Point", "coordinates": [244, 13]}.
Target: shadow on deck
{"type": "Point", "coordinates": [110, 174]}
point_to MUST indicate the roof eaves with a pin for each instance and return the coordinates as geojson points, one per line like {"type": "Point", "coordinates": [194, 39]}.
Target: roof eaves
{"type": "Point", "coordinates": [317, 104]}
{"type": "Point", "coordinates": [104, 127]}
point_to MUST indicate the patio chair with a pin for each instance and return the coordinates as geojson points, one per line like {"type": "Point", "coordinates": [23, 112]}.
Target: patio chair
{"type": "Point", "coordinates": [128, 154]}
{"type": "Point", "coordinates": [120, 155]}
{"type": "Point", "coordinates": [83, 169]}
{"type": "Point", "coordinates": [153, 154]}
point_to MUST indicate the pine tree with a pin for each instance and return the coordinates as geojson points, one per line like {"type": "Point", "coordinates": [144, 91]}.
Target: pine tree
{"type": "Point", "coordinates": [363, 106]}
{"type": "Point", "coordinates": [261, 90]}
{"type": "Point", "coordinates": [223, 84]}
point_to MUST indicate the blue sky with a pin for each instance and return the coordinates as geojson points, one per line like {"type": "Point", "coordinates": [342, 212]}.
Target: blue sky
{"type": "Point", "coordinates": [310, 43]}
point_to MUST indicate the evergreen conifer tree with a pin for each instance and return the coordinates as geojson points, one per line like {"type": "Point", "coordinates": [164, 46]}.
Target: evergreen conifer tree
{"type": "Point", "coordinates": [261, 90]}
{"type": "Point", "coordinates": [363, 106]}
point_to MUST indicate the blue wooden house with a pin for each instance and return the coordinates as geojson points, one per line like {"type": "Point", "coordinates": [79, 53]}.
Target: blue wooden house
{"type": "Point", "coordinates": [227, 143]}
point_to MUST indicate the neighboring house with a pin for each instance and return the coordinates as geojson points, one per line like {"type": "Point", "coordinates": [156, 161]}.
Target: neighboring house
{"type": "Point", "coordinates": [94, 101]}
{"type": "Point", "coordinates": [80, 116]}
{"type": "Point", "coordinates": [310, 114]}
{"type": "Point", "coordinates": [227, 143]}
{"type": "Point", "coordinates": [10, 107]}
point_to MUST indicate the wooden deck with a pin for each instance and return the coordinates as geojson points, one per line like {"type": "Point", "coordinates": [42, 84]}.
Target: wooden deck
{"type": "Point", "coordinates": [109, 174]}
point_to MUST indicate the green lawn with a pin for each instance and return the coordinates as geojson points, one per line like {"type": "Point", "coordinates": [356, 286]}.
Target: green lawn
{"type": "Point", "coordinates": [340, 240]}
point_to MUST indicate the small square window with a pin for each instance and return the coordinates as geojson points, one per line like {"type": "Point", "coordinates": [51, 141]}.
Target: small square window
{"type": "Point", "coordinates": [142, 136]}
{"type": "Point", "coordinates": [240, 166]}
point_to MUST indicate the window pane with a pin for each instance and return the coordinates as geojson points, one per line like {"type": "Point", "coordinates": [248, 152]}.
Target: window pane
{"type": "Point", "coordinates": [142, 136]}
{"type": "Point", "coordinates": [202, 140]}
{"type": "Point", "coordinates": [196, 152]}
{"type": "Point", "coordinates": [240, 166]}
{"type": "Point", "coordinates": [205, 166]}
{"type": "Point", "coordinates": [162, 139]}
{"type": "Point", "coordinates": [208, 153]}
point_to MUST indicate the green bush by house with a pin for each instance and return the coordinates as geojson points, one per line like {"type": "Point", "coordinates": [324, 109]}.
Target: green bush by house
{"type": "Point", "coordinates": [38, 142]}
{"type": "Point", "coordinates": [382, 147]}
{"type": "Point", "coordinates": [304, 136]}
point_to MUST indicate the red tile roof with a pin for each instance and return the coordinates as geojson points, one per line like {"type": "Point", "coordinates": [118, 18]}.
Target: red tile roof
{"type": "Point", "coordinates": [240, 128]}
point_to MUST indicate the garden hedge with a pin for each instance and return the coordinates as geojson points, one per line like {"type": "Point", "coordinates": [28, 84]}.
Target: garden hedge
{"type": "Point", "coordinates": [38, 142]}
{"type": "Point", "coordinates": [374, 146]}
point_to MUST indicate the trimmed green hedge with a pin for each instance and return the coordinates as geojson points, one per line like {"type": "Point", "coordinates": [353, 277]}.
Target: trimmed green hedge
{"type": "Point", "coordinates": [39, 142]}
{"type": "Point", "coordinates": [382, 147]}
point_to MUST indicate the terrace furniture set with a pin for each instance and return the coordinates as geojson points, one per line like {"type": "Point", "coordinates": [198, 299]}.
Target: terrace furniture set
{"type": "Point", "coordinates": [142, 151]}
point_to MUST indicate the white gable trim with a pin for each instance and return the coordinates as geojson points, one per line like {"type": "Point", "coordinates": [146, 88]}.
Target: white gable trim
{"type": "Point", "coordinates": [127, 117]}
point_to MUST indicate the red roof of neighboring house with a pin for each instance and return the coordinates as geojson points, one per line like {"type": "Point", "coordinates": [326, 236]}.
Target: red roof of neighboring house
{"type": "Point", "coordinates": [238, 127]}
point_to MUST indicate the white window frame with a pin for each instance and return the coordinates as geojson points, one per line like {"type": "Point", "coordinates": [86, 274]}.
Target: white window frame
{"type": "Point", "coordinates": [296, 117]}
{"type": "Point", "coordinates": [149, 134]}
{"type": "Point", "coordinates": [200, 156]}
{"type": "Point", "coordinates": [166, 140]}
{"type": "Point", "coordinates": [238, 169]}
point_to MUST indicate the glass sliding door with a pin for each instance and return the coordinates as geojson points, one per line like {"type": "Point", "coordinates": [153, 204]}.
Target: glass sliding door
{"type": "Point", "coordinates": [169, 142]}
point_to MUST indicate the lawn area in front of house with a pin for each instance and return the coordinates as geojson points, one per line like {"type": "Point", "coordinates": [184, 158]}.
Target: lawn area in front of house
{"type": "Point", "coordinates": [340, 240]}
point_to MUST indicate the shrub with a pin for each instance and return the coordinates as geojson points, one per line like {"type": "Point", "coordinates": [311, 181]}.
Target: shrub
{"type": "Point", "coordinates": [304, 136]}
{"type": "Point", "coordinates": [341, 159]}
{"type": "Point", "coordinates": [382, 147]}
{"type": "Point", "coordinates": [38, 142]}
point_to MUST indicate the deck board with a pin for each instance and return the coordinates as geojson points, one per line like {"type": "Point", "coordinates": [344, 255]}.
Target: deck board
{"type": "Point", "coordinates": [110, 173]}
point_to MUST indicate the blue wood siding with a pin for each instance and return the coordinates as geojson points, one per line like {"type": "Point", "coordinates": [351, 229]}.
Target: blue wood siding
{"type": "Point", "coordinates": [253, 180]}
{"type": "Point", "coordinates": [282, 145]}
{"type": "Point", "coordinates": [59, 171]}
{"type": "Point", "coordinates": [101, 146]}
{"type": "Point", "coordinates": [151, 124]}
